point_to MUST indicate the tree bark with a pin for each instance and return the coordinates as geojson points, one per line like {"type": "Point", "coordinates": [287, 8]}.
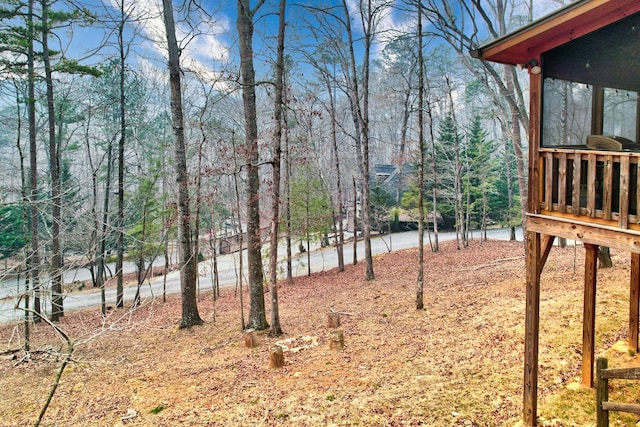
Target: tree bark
{"type": "Point", "coordinates": [257, 315]}
{"type": "Point", "coordinates": [421, 162]}
{"type": "Point", "coordinates": [604, 257]}
{"type": "Point", "coordinates": [121, 145]}
{"type": "Point", "coordinates": [276, 329]}
{"type": "Point", "coordinates": [361, 122]}
{"type": "Point", "coordinates": [34, 256]}
{"type": "Point", "coordinates": [57, 310]}
{"type": "Point", "coordinates": [188, 260]}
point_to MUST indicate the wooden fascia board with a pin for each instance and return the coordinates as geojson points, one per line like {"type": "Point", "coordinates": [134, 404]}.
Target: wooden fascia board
{"type": "Point", "coordinates": [574, 21]}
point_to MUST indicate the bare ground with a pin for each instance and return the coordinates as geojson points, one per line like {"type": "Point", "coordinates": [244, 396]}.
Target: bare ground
{"type": "Point", "coordinates": [457, 362]}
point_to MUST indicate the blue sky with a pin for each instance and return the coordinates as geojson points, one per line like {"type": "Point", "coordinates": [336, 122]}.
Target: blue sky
{"type": "Point", "coordinates": [216, 48]}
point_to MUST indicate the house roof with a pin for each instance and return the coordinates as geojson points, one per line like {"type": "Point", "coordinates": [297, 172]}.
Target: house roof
{"type": "Point", "coordinates": [561, 27]}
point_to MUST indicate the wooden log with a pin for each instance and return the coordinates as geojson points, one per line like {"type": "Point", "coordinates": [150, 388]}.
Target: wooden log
{"type": "Point", "coordinates": [602, 393]}
{"type": "Point", "coordinates": [333, 319]}
{"type": "Point", "coordinates": [621, 407]}
{"type": "Point", "coordinates": [276, 357]}
{"type": "Point", "coordinates": [336, 340]}
{"type": "Point", "coordinates": [250, 338]}
{"type": "Point", "coordinates": [621, 374]}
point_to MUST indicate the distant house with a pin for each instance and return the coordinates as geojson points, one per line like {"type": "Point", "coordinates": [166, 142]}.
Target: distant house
{"type": "Point", "coordinates": [387, 177]}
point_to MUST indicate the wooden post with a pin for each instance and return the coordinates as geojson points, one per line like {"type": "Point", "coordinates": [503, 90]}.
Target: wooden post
{"type": "Point", "coordinates": [602, 394]}
{"type": "Point", "coordinates": [250, 339]}
{"type": "Point", "coordinates": [532, 326]}
{"type": "Point", "coordinates": [276, 357]}
{"type": "Point", "coordinates": [634, 302]}
{"type": "Point", "coordinates": [333, 319]}
{"type": "Point", "coordinates": [589, 313]}
{"type": "Point", "coordinates": [336, 341]}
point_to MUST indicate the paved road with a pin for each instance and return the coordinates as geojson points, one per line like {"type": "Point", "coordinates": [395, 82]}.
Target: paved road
{"type": "Point", "coordinates": [321, 259]}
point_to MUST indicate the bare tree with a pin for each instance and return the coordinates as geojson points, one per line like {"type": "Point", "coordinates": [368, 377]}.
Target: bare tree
{"type": "Point", "coordinates": [359, 99]}
{"type": "Point", "coordinates": [54, 172]}
{"type": "Point", "coordinates": [122, 52]}
{"type": "Point", "coordinates": [188, 260]}
{"type": "Point", "coordinates": [257, 315]}
{"type": "Point", "coordinates": [421, 163]}
{"type": "Point", "coordinates": [276, 329]}
{"type": "Point", "coordinates": [34, 256]}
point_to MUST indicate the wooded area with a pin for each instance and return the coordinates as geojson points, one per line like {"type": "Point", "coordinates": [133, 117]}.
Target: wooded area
{"type": "Point", "coordinates": [121, 160]}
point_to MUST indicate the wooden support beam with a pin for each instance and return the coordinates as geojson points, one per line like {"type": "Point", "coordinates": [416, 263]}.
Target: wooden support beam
{"type": "Point", "coordinates": [545, 247]}
{"type": "Point", "coordinates": [634, 301]}
{"type": "Point", "coordinates": [589, 317]}
{"type": "Point", "coordinates": [534, 260]}
{"type": "Point", "coordinates": [532, 328]}
{"type": "Point", "coordinates": [587, 232]}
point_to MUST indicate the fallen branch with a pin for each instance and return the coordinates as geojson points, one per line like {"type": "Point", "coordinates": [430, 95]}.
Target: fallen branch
{"type": "Point", "coordinates": [491, 264]}
{"type": "Point", "coordinates": [339, 312]}
{"type": "Point", "coordinates": [65, 360]}
{"type": "Point", "coordinates": [9, 351]}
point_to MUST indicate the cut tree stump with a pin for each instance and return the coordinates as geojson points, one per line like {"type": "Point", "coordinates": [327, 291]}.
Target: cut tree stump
{"type": "Point", "coordinates": [250, 339]}
{"type": "Point", "coordinates": [276, 357]}
{"type": "Point", "coordinates": [333, 319]}
{"type": "Point", "coordinates": [336, 341]}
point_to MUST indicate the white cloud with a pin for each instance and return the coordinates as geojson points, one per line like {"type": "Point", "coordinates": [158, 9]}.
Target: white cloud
{"type": "Point", "coordinates": [202, 45]}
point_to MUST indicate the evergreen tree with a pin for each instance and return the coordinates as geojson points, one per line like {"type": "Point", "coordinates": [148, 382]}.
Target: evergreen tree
{"type": "Point", "coordinates": [481, 174]}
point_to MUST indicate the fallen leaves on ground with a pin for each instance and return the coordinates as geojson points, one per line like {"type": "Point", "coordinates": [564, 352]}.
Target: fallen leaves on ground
{"type": "Point", "coordinates": [457, 362]}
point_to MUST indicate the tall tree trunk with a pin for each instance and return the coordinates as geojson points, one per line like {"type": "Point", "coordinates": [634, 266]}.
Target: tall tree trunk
{"type": "Point", "coordinates": [257, 315]}
{"type": "Point", "coordinates": [421, 162]}
{"type": "Point", "coordinates": [406, 114]}
{"type": "Point", "coordinates": [457, 171]}
{"type": "Point", "coordinates": [355, 222]}
{"type": "Point", "coordinates": [336, 167]}
{"type": "Point", "coordinates": [57, 310]}
{"type": "Point", "coordinates": [287, 202]}
{"type": "Point", "coordinates": [102, 242]}
{"type": "Point", "coordinates": [507, 161]}
{"type": "Point", "coordinates": [25, 219]}
{"type": "Point", "coordinates": [34, 256]}
{"type": "Point", "coordinates": [276, 329]}
{"type": "Point", "coordinates": [121, 144]}
{"type": "Point", "coordinates": [241, 241]}
{"type": "Point", "coordinates": [362, 127]}
{"type": "Point", "coordinates": [435, 246]}
{"type": "Point", "coordinates": [188, 260]}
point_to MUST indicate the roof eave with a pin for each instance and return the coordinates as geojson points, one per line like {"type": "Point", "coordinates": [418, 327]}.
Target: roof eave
{"type": "Point", "coordinates": [560, 27]}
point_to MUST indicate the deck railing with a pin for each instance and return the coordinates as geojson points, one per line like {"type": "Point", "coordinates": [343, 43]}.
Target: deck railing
{"type": "Point", "coordinates": [599, 185]}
